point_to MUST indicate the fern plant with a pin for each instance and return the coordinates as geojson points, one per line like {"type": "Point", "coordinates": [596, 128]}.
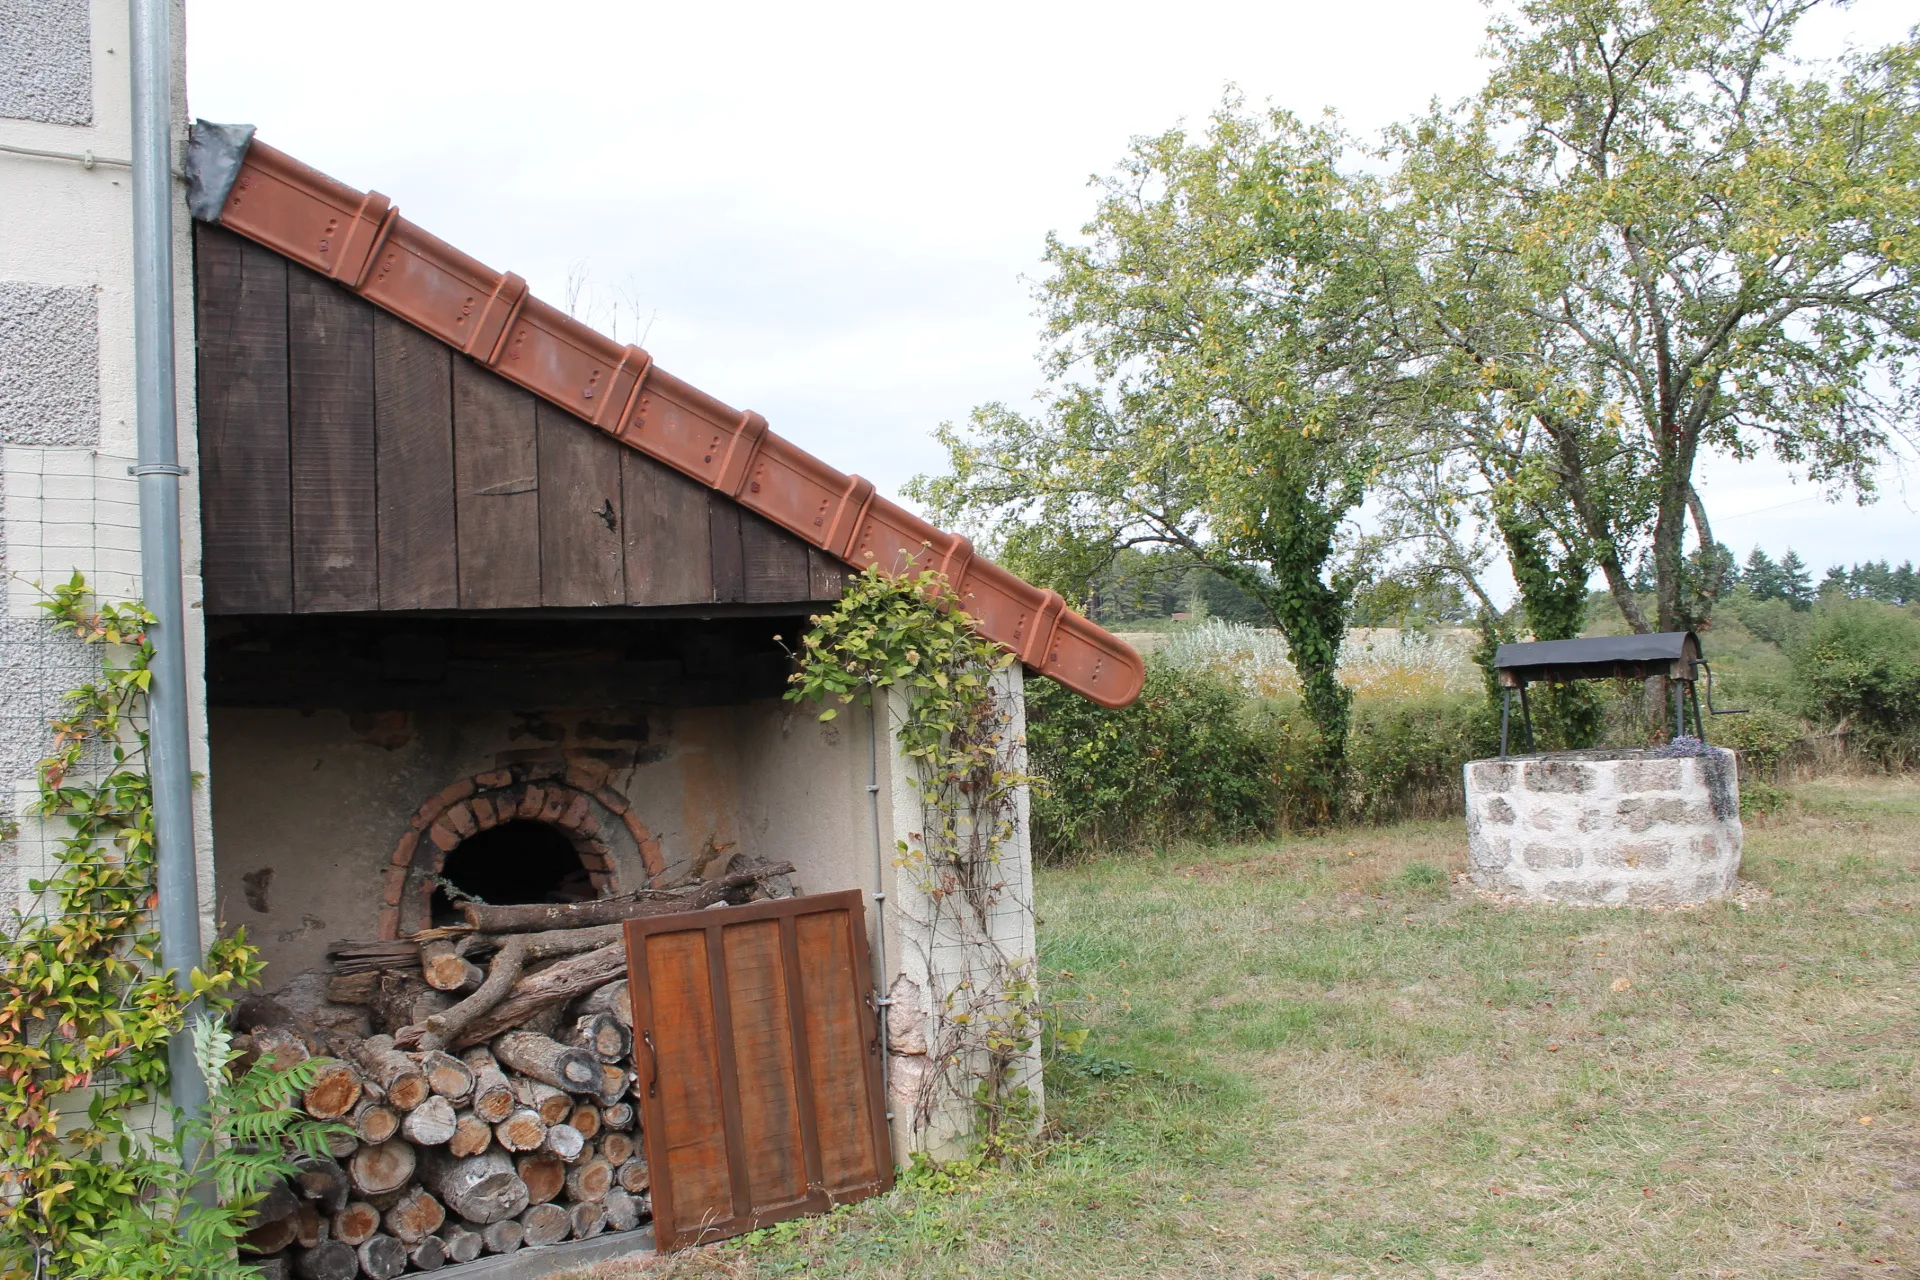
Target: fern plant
{"type": "Point", "coordinates": [195, 1189]}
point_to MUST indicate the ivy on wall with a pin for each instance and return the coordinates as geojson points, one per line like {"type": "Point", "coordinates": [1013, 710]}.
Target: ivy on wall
{"type": "Point", "coordinates": [907, 632]}
{"type": "Point", "coordinates": [85, 1008]}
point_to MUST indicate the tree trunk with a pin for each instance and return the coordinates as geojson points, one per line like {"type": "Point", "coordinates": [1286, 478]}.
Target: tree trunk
{"type": "Point", "coordinates": [481, 1188]}
{"type": "Point", "coordinates": [553, 985]}
{"type": "Point", "coordinates": [504, 1236]}
{"type": "Point", "coordinates": [429, 1255]}
{"type": "Point", "coordinates": [538, 917]}
{"type": "Point", "coordinates": [554, 1105]}
{"type": "Point", "coordinates": [379, 1169]}
{"type": "Point", "coordinates": [382, 1258]}
{"type": "Point", "coordinates": [617, 1116]}
{"type": "Point", "coordinates": [589, 1218]}
{"type": "Point", "coordinates": [590, 1179]}
{"type": "Point", "coordinates": [471, 1135]}
{"type": "Point", "coordinates": [341, 1145]}
{"type": "Point", "coordinates": [401, 1081]}
{"type": "Point", "coordinates": [269, 1237]}
{"type": "Point", "coordinates": [321, 1179]}
{"type": "Point", "coordinates": [280, 1047]}
{"type": "Point", "coordinates": [355, 1224]}
{"type": "Point", "coordinates": [615, 1079]}
{"type": "Point", "coordinates": [461, 1244]}
{"type": "Point", "coordinates": [521, 1131]}
{"type": "Point", "coordinates": [586, 1118]}
{"type": "Point", "coordinates": [309, 1225]}
{"type": "Point", "coordinates": [277, 1203]}
{"type": "Point", "coordinates": [623, 1210]}
{"type": "Point", "coordinates": [634, 1176]}
{"type": "Point", "coordinates": [328, 1260]}
{"type": "Point", "coordinates": [544, 1224]}
{"type": "Point", "coordinates": [416, 1216]}
{"type": "Point", "coordinates": [616, 1148]}
{"type": "Point", "coordinates": [614, 998]}
{"type": "Point", "coordinates": [492, 1094]}
{"type": "Point", "coordinates": [445, 969]}
{"type": "Point", "coordinates": [545, 1176]}
{"type": "Point", "coordinates": [374, 1122]}
{"type": "Point", "coordinates": [547, 1061]}
{"type": "Point", "coordinates": [602, 1035]}
{"type": "Point", "coordinates": [564, 1141]}
{"type": "Point", "coordinates": [431, 1124]}
{"type": "Point", "coordinates": [333, 1091]}
{"type": "Point", "coordinates": [278, 1267]}
{"type": "Point", "coordinates": [447, 1076]}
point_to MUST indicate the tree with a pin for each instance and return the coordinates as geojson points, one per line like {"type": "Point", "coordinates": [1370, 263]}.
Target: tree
{"type": "Point", "coordinates": [1761, 577]}
{"type": "Point", "coordinates": [1796, 584]}
{"type": "Point", "coordinates": [1221, 388]}
{"type": "Point", "coordinates": [1646, 237]}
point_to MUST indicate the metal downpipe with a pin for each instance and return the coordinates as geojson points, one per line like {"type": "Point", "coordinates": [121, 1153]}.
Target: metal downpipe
{"type": "Point", "coordinates": [176, 881]}
{"type": "Point", "coordinates": [883, 998]}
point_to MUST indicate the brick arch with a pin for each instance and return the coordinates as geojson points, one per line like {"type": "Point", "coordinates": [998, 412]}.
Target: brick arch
{"type": "Point", "coordinates": [566, 800]}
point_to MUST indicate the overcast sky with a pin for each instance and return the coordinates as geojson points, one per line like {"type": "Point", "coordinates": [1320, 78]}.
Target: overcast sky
{"type": "Point", "coordinates": [833, 213]}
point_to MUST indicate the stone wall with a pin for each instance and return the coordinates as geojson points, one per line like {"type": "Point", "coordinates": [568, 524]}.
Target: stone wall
{"type": "Point", "coordinates": [1605, 828]}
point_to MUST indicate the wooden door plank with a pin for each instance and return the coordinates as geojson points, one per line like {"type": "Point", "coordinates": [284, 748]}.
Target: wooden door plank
{"type": "Point", "coordinates": [826, 575]}
{"type": "Point", "coordinates": [773, 562]}
{"type": "Point", "coordinates": [729, 578]}
{"type": "Point", "coordinates": [757, 988]}
{"type": "Point", "coordinates": [691, 1133]}
{"type": "Point", "coordinates": [330, 422]}
{"type": "Point", "coordinates": [246, 485]}
{"type": "Point", "coordinates": [731, 1120]}
{"type": "Point", "coordinates": [737, 1012]}
{"type": "Point", "coordinates": [413, 420]}
{"type": "Point", "coordinates": [838, 1051]}
{"type": "Point", "coordinates": [496, 490]}
{"type": "Point", "coordinates": [580, 501]}
{"type": "Point", "coordinates": [668, 545]}
{"type": "Point", "coordinates": [801, 1058]}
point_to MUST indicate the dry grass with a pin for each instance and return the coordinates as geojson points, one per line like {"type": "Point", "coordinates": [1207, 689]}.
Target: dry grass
{"type": "Point", "coordinates": [1369, 1073]}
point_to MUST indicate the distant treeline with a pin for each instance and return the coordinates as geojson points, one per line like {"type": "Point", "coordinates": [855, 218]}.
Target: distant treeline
{"type": "Point", "coordinates": [1789, 579]}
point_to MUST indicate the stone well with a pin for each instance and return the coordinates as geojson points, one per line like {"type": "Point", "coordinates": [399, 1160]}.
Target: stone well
{"type": "Point", "coordinates": [1605, 827]}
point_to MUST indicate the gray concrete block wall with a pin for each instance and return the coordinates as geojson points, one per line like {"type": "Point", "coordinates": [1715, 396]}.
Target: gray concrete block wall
{"type": "Point", "coordinates": [46, 61]}
{"type": "Point", "coordinates": [1605, 828]}
{"type": "Point", "coordinates": [49, 364]}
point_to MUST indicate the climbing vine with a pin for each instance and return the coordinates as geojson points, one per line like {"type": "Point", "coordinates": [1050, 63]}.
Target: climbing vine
{"type": "Point", "coordinates": [954, 725]}
{"type": "Point", "coordinates": [85, 1009]}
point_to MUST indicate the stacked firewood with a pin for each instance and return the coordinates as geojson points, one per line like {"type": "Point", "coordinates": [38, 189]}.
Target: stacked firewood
{"type": "Point", "coordinates": [489, 1108]}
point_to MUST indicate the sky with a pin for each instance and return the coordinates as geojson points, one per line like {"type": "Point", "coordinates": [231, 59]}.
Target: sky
{"type": "Point", "coordinates": [835, 213]}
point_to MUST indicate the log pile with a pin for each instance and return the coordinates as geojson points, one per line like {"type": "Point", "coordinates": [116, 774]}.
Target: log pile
{"type": "Point", "coordinates": [490, 1110]}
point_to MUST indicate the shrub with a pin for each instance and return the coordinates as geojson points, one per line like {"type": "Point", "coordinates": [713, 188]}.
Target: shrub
{"type": "Point", "coordinates": [1764, 737]}
{"type": "Point", "coordinates": [1859, 662]}
{"type": "Point", "coordinates": [1405, 755]}
{"type": "Point", "coordinates": [1180, 762]}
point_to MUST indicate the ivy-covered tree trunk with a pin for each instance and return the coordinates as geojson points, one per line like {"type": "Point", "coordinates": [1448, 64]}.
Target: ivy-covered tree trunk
{"type": "Point", "coordinates": [1553, 595]}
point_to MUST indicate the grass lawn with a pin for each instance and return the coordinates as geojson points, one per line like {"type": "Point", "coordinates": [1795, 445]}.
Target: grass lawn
{"type": "Point", "coordinates": [1344, 1067]}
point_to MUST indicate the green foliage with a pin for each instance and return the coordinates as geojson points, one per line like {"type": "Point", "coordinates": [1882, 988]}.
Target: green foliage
{"type": "Point", "coordinates": [1195, 759]}
{"type": "Point", "coordinates": [1222, 390]}
{"type": "Point", "coordinates": [908, 633]}
{"type": "Point", "coordinates": [1860, 663]}
{"type": "Point", "coordinates": [247, 1139]}
{"type": "Point", "coordinates": [1651, 234]}
{"type": "Point", "coordinates": [85, 1013]}
{"type": "Point", "coordinates": [1765, 738]}
{"type": "Point", "coordinates": [1180, 762]}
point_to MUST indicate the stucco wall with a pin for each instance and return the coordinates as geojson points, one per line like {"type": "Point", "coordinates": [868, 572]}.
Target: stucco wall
{"type": "Point", "coordinates": [67, 376]}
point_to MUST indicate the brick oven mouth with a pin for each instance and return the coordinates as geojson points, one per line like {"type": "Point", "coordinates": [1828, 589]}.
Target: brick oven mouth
{"type": "Point", "coordinates": [517, 862]}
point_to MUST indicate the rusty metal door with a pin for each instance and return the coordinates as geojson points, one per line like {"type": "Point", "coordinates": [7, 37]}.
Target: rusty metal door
{"type": "Point", "coordinates": [759, 1064]}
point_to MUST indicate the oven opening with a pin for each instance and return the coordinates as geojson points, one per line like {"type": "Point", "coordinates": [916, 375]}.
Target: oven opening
{"type": "Point", "coordinates": [515, 862]}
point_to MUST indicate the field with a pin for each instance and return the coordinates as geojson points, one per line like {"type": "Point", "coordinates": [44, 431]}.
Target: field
{"type": "Point", "coordinates": [1324, 1057]}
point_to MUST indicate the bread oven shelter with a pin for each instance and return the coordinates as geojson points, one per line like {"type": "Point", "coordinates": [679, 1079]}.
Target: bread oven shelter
{"type": "Point", "coordinates": [498, 609]}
